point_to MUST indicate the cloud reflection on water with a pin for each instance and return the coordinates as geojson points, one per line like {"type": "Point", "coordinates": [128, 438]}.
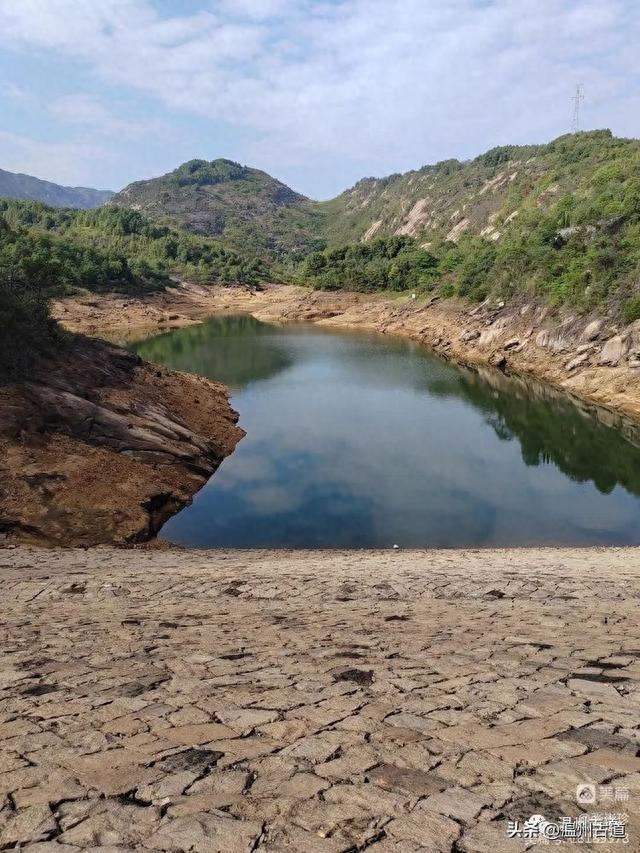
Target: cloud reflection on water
{"type": "Point", "coordinates": [361, 441]}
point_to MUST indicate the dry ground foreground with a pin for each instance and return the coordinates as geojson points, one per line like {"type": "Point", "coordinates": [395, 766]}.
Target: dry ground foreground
{"type": "Point", "coordinates": [200, 701]}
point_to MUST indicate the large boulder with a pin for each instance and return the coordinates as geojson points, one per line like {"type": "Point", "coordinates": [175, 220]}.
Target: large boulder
{"type": "Point", "coordinates": [580, 359]}
{"type": "Point", "coordinates": [591, 330]}
{"type": "Point", "coordinates": [468, 336]}
{"type": "Point", "coordinates": [556, 340]}
{"type": "Point", "coordinates": [491, 334]}
{"type": "Point", "coordinates": [614, 350]}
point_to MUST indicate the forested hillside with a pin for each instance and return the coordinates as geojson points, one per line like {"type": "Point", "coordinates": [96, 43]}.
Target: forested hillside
{"type": "Point", "coordinates": [560, 220]}
{"type": "Point", "coordinates": [246, 207]}
{"type": "Point", "coordinates": [47, 252]}
{"type": "Point", "coordinates": [478, 197]}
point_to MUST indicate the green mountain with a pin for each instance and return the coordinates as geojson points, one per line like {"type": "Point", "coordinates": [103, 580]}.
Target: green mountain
{"type": "Point", "coordinates": [16, 185]}
{"type": "Point", "coordinates": [246, 207]}
{"type": "Point", "coordinates": [478, 197]}
{"type": "Point", "coordinates": [560, 220]}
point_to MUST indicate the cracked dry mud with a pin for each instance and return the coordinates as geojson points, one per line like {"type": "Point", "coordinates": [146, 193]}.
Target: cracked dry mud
{"type": "Point", "coordinates": [320, 701]}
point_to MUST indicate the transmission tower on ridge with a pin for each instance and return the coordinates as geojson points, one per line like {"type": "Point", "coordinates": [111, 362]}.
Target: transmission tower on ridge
{"type": "Point", "coordinates": [577, 99]}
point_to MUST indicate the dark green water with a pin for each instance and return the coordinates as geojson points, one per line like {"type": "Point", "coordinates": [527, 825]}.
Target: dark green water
{"type": "Point", "coordinates": [357, 440]}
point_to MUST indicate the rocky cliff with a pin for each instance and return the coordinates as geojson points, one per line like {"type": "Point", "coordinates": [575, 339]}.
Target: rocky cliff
{"type": "Point", "coordinates": [480, 197]}
{"type": "Point", "coordinates": [102, 447]}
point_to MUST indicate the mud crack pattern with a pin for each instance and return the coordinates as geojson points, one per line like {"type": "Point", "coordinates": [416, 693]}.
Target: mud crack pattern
{"type": "Point", "coordinates": [321, 701]}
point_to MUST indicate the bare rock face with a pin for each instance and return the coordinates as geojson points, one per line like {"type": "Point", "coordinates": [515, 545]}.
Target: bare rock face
{"type": "Point", "coordinates": [495, 331]}
{"type": "Point", "coordinates": [499, 361]}
{"type": "Point", "coordinates": [143, 430]}
{"type": "Point", "coordinates": [555, 340]}
{"type": "Point", "coordinates": [102, 447]}
{"type": "Point", "coordinates": [592, 330]}
{"type": "Point", "coordinates": [614, 351]}
{"type": "Point", "coordinates": [578, 361]}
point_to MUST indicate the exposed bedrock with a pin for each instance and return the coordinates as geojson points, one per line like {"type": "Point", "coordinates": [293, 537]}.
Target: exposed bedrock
{"type": "Point", "coordinates": [103, 447]}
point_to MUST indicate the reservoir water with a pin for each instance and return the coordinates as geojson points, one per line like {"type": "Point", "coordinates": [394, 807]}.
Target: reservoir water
{"type": "Point", "coordinates": [360, 441]}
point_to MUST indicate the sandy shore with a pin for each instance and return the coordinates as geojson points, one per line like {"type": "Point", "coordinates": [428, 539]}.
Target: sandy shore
{"type": "Point", "coordinates": [313, 701]}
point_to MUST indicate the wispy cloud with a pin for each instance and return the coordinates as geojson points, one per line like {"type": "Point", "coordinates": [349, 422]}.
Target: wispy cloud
{"type": "Point", "coordinates": [337, 88]}
{"type": "Point", "coordinates": [17, 94]}
{"type": "Point", "coordinates": [88, 111]}
{"type": "Point", "coordinates": [75, 163]}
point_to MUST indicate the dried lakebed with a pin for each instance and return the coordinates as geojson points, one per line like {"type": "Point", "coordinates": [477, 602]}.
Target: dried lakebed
{"type": "Point", "coordinates": [313, 701]}
{"type": "Point", "coordinates": [356, 439]}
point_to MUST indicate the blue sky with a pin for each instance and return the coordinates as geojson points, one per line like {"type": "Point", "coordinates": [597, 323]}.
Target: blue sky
{"type": "Point", "coordinates": [317, 92]}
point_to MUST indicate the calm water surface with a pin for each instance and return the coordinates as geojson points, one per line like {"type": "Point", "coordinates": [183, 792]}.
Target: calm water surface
{"type": "Point", "coordinates": [358, 440]}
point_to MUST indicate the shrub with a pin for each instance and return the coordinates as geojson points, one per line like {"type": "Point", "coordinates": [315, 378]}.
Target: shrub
{"type": "Point", "coordinates": [26, 329]}
{"type": "Point", "coordinates": [631, 310]}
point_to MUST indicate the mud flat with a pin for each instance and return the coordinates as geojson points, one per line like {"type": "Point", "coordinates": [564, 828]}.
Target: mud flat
{"type": "Point", "coordinates": [313, 701]}
{"type": "Point", "coordinates": [100, 446]}
{"type": "Point", "coordinates": [588, 357]}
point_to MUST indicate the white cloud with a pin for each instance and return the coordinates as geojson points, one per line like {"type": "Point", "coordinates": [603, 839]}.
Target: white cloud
{"type": "Point", "coordinates": [80, 109]}
{"type": "Point", "coordinates": [75, 163]}
{"type": "Point", "coordinates": [17, 94]}
{"type": "Point", "coordinates": [86, 110]}
{"type": "Point", "coordinates": [258, 10]}
{"type": "Point", "coordinates": [379, 86]}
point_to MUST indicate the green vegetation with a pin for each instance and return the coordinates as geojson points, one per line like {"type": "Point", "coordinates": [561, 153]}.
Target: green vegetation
{"type": "Point", "coordinates": [631, 311]}
{"type": "Point", "coordinates": [111, 248]}
{"type": "Point", "coordinates": [25, 326]}
{"type": "Point", "coordinates": [558, 221]}
{"type": "Point", "coordinates": [391, 263]}
{"type": "Point", "coordinates": [204, 173]}
{"type": "Point", "coordinates": [429, 202]}
{"type": "Point", "coordinates": [251, 211]}
{"type": "Point", "coordinates": [580, 246]}
{"type": "Point", "coordinates": [47, 252]}
{"type": "Point", "coordinates": [561, 221]}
